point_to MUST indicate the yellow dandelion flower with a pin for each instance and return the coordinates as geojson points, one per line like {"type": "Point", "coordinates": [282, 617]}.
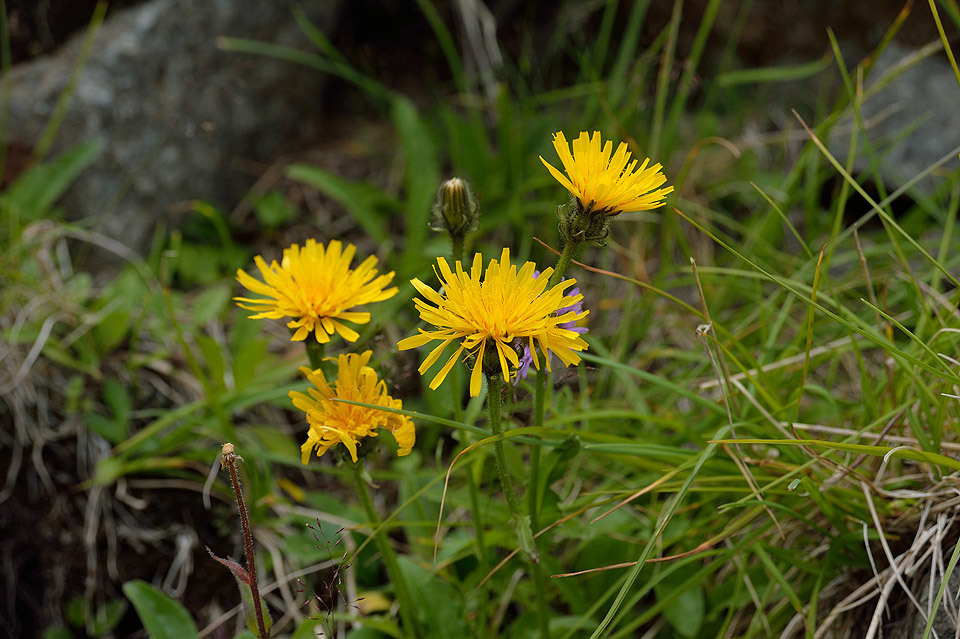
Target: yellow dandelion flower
{"type": "Point", "coordinates": [335, 422]}
{"type": "Point", "coordinates": [507, 310]}
{"type": "Point", "coordinates": [316, 287]}
{"type": "Point", "coordinates": [606, 185]}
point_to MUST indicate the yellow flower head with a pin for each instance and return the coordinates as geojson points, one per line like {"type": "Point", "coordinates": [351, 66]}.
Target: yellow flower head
{"type": "Point", "coordinates": [508, 309]}
{"type": "Point", "coordinates": [316, 286]}
{"type": "Point", "coordinates": [604, 185]}
{"type": "Point", "coordinates": [335, 422]}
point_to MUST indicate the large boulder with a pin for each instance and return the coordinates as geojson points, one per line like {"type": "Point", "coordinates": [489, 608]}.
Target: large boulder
{"type": "Point", "coordinates": [906, 92]}
{"type": "Point", "coordinates": [181, 118]}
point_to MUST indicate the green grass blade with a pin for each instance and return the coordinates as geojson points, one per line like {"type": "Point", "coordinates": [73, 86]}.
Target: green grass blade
{"type": "Point", "coordinates": [60, 110]}
{"type": "Point", "coordinates": [334, 67]}
{"type": "Point", "coordinates": [663, 80]}
{"type": "Point", "coordinates": [665, 516]}
{"type": "Point", "coordinates": [774, 74]}
{"type": "Point", "coordinates": [445, 40]}
{"type": "Point", "coordinates": [899, 452]}
{"type": "Point", "coordinates": [944, 584]}
{"type": "Point", "coordinates": [944, 40]}
{"type": "Point", "coordinates": [369, 206]}
{"type": "Point", "coordinates": [421, 178]}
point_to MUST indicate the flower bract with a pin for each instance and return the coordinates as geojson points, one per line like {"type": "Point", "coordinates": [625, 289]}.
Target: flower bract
{"type": "Point", "coordinates": [605, 185]}
{"type": "Point", "coordinates": [494, 313]}
{"type": "Point", "coordinates": [316, 287]}
{"type": "Point", "coordinates": [334, 422]}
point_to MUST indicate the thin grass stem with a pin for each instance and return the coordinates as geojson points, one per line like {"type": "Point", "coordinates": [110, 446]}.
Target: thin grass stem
{"type": "Point", "coordinates": [407, 616]}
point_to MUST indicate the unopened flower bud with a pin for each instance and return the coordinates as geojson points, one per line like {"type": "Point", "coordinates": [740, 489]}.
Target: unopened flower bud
{"type": "Point", "coordinates": [455, 210]}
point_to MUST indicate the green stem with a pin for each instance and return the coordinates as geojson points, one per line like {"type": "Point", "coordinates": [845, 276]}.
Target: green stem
{"type": "Point", "coordinates": [456, 251]}
{"type": "Point", "coordinates": [569, 249]}
{"type": "Point", "coordinates": [314, 351]}
{"type": "Point", "coordinates": [474, 503]}
{"type": "Point", "coordinates": [540, 391]}
{"type": "Point", "coordinates": [471, 480]}
{"type": "Point", "coordinates": [407, 617]}
{"type": "Point", "coordinates": [521, 522]}
{"type": "Point", "coordinates": [494, 392]}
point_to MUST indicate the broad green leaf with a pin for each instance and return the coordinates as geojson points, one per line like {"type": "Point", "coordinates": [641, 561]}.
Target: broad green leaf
{"type": "Point", "coordinates": [39, 188]}
{"type": "Point", "coordinates": [210, 302]}
{"type": "Point", "coordinates": [110, 331]}
{"type": "Point", "coordinates": [199, 264]}
{"type": "Point", "coordinates": [245, 361]}
{"type": "Point", "coordinates": [110, 469]}
{"type": "Point", "coordinates": [118, 399]}
{"type": "Point", "coordinates": [76, 612]}
{"type": "Point", "coordinates": [107, 618]}
{"type": "Point", "coordinates": [685, 605]}
{"type": "Point", "coordinates": [273, 210]}
{"type": "Point", "coordinates": [422, 175]}
{"type": "Point", "coordinates": [212, 353]}
{"type": "Point", "coordinates": [521, 524]}
{"type": "Point", "coordinates": [271, 439]}
{"type": "Point", "coordinates": [443, 618]}
{"type": "Point", "coordinates": [163, 617]}
{"type": "Point", "coordinates": [107, 427]}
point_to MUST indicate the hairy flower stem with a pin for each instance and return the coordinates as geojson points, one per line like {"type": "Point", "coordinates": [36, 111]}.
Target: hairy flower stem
{"type": "Point", "coordinates": [314, 352]}
{"type": "Point", "coordinates": [533, 499]}
{"type": "Point", "coordinates": [521, 522]}
{"type": "Point", "coordinates": [540, 391]}
{"type": "Point", "coordinates": [404, 599]}
{"type": "Point", "coordinates": [569, 250]}
{"type": "Point", "coordinates": [456, 252]}
{"type": "Point", "coordinates": [456, 391]}
{"type": "Point", "coordinates": [471, 480]}
{"type": "Point", "coordinates": [229, 461]}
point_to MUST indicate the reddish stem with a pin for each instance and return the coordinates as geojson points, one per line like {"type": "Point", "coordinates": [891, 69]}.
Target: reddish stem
{"type": "Point", "coordinates": [229, 460]}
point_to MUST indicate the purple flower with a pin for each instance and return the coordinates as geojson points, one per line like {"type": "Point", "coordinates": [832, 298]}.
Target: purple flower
{"type": "Point", "coordinates": [526, 360]}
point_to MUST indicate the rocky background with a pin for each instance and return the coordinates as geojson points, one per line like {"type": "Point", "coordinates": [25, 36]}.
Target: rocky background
{"type": "Point", "coordinates": [182, 119]}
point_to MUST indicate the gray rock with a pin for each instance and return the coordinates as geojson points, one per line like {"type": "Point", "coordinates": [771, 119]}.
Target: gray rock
{"type": "Point", "coordinates": [177, 113]}
{"type": "Point", "coordinates": [945, 621]}
{"type": "Point", "coordinates": [920, 99]}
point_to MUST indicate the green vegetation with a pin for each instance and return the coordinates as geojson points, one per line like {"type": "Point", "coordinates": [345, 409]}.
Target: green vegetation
{"type": "Point", "coordinates": [767, 416]}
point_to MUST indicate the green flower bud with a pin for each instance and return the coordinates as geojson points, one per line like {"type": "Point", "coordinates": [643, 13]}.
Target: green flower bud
{"type": "Point", "coordinates": [456, 210]}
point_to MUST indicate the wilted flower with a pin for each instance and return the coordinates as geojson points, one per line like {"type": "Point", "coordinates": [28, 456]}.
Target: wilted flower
{"type": "Point", "coordinates": [316, 287]}
{"type": "Point", "coordinates": [488, 311]}
{"type": "Point", "coordinates": [336, 422]}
